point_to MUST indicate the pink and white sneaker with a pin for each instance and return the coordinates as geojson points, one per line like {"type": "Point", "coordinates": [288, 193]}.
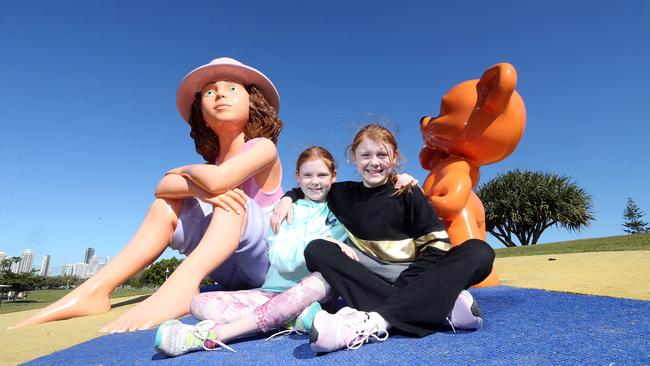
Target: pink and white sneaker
{"type": "Point", "coordinates": [465, 314]}
{"type": "Point", "coordinates": [348, 328]}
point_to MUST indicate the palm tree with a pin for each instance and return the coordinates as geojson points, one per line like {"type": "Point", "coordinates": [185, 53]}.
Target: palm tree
{"type": "Point", "coordinates": [525, 203]}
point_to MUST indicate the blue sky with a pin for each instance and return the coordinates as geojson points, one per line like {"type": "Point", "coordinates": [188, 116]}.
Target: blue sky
{"type": "Point", "coordinates": [89, 122]}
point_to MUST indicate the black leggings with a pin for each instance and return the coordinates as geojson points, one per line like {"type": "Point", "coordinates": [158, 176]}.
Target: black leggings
{"type": "Point", "coordinates": [422, 296]}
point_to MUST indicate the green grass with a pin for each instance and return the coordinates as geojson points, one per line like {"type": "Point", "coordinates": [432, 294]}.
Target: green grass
{"type": "Point", "coordinates": [611, 243]}
{"type": "Point", "coordinates": [41, 298]}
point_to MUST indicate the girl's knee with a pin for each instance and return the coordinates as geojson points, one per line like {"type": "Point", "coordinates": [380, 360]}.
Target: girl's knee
{"type": "Point", "coordinates": [317, 282]}
{"type": "Point", "coordinates": [486, 252]}
{"type": "Point", "coordinates": [203, 305]}
{"type": "Point", "coordinates": [197, 306]}
{"type": "Point", "coordinates": [313, 250]}
{"type": "Point", "coordinates": [167, 209]}
{"type": "Point", "coordinates": [314, 277]}
{"type": "Point", "coordinates": [481, 252]}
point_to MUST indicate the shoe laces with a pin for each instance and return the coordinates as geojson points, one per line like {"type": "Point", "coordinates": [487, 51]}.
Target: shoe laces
{"type": "Point", "coordinates": [364, 331]}
{"type": "Point", "coordinates": [451, 324]}
{"type": "Point", "coordinates": [281, 334]}
{"type": "Point", "coordinates": [202, 331]}
{"type": "Point", "coordinates": [293, 326]}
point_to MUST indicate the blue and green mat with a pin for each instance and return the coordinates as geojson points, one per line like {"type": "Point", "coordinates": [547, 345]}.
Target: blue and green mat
{"type": "Point", "coordinates": [522, 327]}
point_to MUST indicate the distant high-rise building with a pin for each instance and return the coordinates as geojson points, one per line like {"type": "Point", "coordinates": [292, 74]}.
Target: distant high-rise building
{"type": "Point", "coordinates": [67, 269]}
{"type": "Point", "coordinates": [89, 254]}
{"type": "Point", "coordinates": [93, 266]}
{"type": "Point", "coordinates": [80, 270]}
{"type": "Point", "coordinates": [45, 266]}
{"type": "Point", "coordinates": [25, 261]}
{"type": "Point", "coordinates": [4, 256]}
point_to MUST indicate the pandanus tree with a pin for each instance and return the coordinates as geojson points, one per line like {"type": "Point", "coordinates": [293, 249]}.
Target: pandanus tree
{"type": "Point", "coordinates": [521, 205]}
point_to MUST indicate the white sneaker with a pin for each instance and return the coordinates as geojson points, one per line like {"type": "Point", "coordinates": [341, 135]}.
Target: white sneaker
{"type": "Point", "coordinates": [175, 338]}
{"type": "Point", "coordinates": [348, 328]}
{"type": "Point", "coordinates": [465, 314]}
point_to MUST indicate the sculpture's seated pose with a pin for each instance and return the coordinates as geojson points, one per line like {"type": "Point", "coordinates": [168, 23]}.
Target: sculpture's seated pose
{"type": "Point", "coordinates": [232, 110]}
{"type": "Point", "coordinates": [480, 122]}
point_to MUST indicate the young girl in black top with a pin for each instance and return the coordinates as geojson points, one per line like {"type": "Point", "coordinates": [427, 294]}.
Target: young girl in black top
{"type": "Point", "coordinates": [397, 268]}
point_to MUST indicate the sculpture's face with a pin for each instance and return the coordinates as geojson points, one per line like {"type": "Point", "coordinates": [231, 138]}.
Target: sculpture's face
{"type": "Point", "coordinates": [225, 103]}
{"type": "Point", "coordinates": [462, 129]}
{"type": "Point", "coordinates": [442, 132]}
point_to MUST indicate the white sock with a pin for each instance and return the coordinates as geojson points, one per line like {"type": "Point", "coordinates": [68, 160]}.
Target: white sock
{"type": "Point", "coordinates": [379, 320]}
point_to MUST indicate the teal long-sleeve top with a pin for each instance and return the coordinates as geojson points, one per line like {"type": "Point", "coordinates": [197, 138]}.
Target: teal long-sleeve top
{"type": "Point", "coordinates": [311, 220]}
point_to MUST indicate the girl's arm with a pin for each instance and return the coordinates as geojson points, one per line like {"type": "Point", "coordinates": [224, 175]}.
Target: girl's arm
{"type": "Point", "coordinates": [216, 179]}
{"type": "Point", "coordinates": [282, 210]}
{"type": "Point", "coordinates": [286, 248]}
{"type": "Point", "coordinates": [174, 186]}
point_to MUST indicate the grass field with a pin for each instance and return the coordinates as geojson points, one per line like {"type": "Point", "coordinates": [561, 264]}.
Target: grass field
{"type": "Point", "coordinates": [41, 298]}
{"type": "Point", "coordinates": [606, 244]}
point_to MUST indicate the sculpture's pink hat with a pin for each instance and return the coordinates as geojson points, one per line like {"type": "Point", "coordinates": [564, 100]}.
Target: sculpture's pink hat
{"type": "Point", "coordinates": [223, 68]}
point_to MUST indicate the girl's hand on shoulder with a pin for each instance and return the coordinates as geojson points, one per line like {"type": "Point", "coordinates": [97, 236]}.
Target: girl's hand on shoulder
{"type": "Point", "coordinates": [405, 180]}
{"type": "Point", "coordinates": [232, 200]}
{"type": "Point", "coordinates": [349, 252]}
{"type": "Point", "coordinates": [281, 211]}
{"type": "Point", "coordinates": [345, 248]}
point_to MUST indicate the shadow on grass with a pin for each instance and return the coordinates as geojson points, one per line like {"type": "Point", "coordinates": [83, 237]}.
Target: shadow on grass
{"type": "Point", "coordinates": [22, 305]}
{"type": "Point", "coordinates": [24, 301]}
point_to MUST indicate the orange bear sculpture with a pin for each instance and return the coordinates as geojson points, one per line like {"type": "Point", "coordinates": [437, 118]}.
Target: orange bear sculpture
{"type": "Point", "coordinates": [480, 122]}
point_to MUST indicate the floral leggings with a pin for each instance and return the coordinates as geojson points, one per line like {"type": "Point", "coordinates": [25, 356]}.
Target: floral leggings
{"type": "Point", "coordinates": [271, 309]}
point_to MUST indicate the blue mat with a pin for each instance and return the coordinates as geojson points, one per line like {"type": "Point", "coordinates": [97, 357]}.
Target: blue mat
{"type": "Point", "coordinates": [523, 327]}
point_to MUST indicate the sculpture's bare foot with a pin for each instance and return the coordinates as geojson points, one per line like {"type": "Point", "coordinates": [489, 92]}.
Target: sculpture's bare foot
{"type": "Point", "coordinates": [153, 311]}
{"type": "Point", "coordinates": [79, 302]}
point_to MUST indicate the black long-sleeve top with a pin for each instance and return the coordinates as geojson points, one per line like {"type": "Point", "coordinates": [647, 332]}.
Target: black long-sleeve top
{"type": "Point", "coordinates": [393, 228]}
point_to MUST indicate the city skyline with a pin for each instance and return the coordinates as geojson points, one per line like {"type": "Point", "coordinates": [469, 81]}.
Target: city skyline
{"type": "Point", "coordinates": [83, 269]}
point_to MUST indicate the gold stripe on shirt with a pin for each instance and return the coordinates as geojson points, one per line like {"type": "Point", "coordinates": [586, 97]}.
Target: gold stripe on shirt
{"type": "Point", "coordinates": [435, 239]}
{"type": "Point", "coordinates": [404, 250]}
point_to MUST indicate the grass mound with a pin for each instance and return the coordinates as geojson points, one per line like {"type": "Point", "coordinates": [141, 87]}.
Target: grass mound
{"type": "Point", "coordinates": [606, 244]}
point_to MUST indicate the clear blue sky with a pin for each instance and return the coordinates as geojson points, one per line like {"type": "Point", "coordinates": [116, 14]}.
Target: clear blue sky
{"type": "Point", "coordinates": [89, 121]}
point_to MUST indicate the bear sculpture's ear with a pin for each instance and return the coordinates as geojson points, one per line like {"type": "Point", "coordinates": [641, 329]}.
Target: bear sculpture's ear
{"type": "Point", "coordinates": [495, 89]}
